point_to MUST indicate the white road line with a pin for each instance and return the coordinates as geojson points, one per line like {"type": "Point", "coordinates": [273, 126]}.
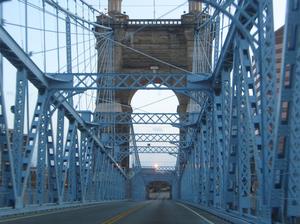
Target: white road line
{"type": "Point", "coordinates": [196, 213]}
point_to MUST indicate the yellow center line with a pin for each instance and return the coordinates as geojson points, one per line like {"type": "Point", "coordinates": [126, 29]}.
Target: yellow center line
{"type": "Point", "coordinates": [122, 215]}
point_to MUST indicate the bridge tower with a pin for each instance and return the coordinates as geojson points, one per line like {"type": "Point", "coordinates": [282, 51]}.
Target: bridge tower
{"type": "Point", "coordinates": [145, 46]}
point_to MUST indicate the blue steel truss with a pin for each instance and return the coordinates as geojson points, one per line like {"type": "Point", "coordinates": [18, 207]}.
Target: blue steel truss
{"type": "Point", "coordinates": [131, 81]}
{"type": "Point", "coordinates": [171, 150]}
{"type": "Point", "coordinates": [157, 149]}
{"type": "Point", "coordinates": [175, 139]}
{"type": "Point", "coordinates": [184, 119]}
{"type": "Point", "coordinates": [238, 148]}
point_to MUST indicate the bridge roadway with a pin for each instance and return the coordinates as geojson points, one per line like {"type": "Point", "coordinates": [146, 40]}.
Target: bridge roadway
{"type": "Point", "coordinates": [146, 212]}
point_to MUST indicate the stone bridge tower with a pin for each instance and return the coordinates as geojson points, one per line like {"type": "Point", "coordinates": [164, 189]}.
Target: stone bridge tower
{"type": "Point", "coordinates": [169, 40]}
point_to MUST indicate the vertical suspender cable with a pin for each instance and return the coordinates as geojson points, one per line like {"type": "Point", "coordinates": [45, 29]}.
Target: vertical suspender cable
{"type": "Point", "coordinates": [27, 87]}
{"type": "Point", "coordinates": [57, 38]}
{"type": "Point", "coordinates": [77, 48]}
{"type": "Point", "coordinates": [44, 36]}
{"type": "Point", "coordinates": [26, 26]}
{"type": "Point", "coordinates": [26, 50]}
{"type": "Point", "coordinates": [76, 31]}
{"type": "Point", "coordinates": [89, 36]}
{"type": "Point", "coordinates": [83, 35]}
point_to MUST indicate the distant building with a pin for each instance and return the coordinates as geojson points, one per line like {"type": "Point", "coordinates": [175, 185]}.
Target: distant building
{"type": "Point", "coordinates": [278, 57]}
{"type": "Point", "coordinates": [279, 48]}
{"type": "Point", "coordinates": [6, 194]}
{"type": "Point", "coordinates": [5, 165]}
{"type": "Point", "coordinates": [287, 81]}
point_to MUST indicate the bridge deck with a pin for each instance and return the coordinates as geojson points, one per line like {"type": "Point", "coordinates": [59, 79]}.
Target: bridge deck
{"type": "Point", "coordinates": [157, 211]}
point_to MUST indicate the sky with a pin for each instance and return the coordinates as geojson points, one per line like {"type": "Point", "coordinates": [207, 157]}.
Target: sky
{"type": "Point", "coordinates": [13, 12]}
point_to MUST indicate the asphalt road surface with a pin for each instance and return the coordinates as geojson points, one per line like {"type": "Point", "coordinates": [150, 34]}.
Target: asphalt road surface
{"type": "Point", "coordinates": [146, 212]}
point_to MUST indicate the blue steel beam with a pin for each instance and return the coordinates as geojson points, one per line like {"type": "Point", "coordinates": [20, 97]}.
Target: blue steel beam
{"type": "Point", "coordinates": [242, 14]}
{"type": "Point", "coordinates": [13, 53]}
{"type": "Point", "coordinates": [147, 118]}
{"type": "Point", "coordinates": [156, 149]}
{"type": "Point", "coordinates": [85, 163]}
{"type": "Point", "coordinates": [6, 156]}
{"type": "Point", "coordinates": [41, 154]}
{"type": "Point", "coordinates": [232, 167]}
{"type": "Point", "coordinates": [156, 137]}
{"type": "Point", "coordinates": [218, 151]}
{"type": "Point", "coordinates": [21, 171]}
{"type": "Point", "coordinates": [130, 81]}
{"type": "Point", "coordinates": [158, 169]}
{"type": "Point", "coordinates": [72, 114]}
{"type": "Point", "coordinates": [18, 133]}
{"type": "Point", "coordinates": [244, 134]}
{"type": "Point", "coordinates": [51, 169]}
{"type": "Point", "coordinates": [18, 58]}
{"type": "Point", "coordinates": [173, 151]}
{"type": "Point", "coordinates": [266, 67]}
{"type": "Point", "coordinates": [286, 177]}
{"type": "Point", "coordinates": [134, 150]}
{"type": "Point", "coordinates": [225, 58]}
{"type": "Point", "coordinates": [252, 125]}
{"type": "Point", "coordinates": [121, 138]}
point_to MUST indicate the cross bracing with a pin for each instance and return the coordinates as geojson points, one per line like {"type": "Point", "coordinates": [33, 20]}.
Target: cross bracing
{"type": "Point", "coordinates": [130, 81]}
{"type": "Point", "coordinates": [156, 149]}
{"type": "Point", "coordinates": [237, 149]}
{"type": "Point", "coordinates": [149, 138]}
{"type": "Point", "coordinates": [148, 118]}
{"type": "Point", "coordinates": [170, 150]}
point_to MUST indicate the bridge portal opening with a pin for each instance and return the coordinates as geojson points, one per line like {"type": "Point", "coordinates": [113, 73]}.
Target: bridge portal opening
{"type": "Point", "coordinates": [159, 190]}
{"type": "Point", "coordinates": [155, 152]}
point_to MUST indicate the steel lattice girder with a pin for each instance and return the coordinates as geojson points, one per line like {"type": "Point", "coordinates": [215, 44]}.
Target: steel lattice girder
{"type": "Point", "coordinates": [183, 119]}
{"type": "Point", "coordinates": [5, 147]}
{"type": "Point", "coordinates": [171, 150]}
{"type": "Point", "coordinates": [242, 121]}
{"type": "Point", "coordinates": [15, 54]}
{"type": "Point", "coordinates": [121, 138]}
{"type": "Point", "coordinates": [156, 149]}
{"type": "Point", "coordinates": [159, 169]}
{"type": "Point", "coordinates": [253, 22]}
{"type": "Point", "coordinates": [134, 81]}
{"type": "Point", "coordinates": [21, 169]}
{"type": "Point", "coordinates": [286, 190]}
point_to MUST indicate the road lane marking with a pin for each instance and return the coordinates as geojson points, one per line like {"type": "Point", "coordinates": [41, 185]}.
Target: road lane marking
{"type": "Point", "coordinates": [124, 214]}
{"type": "Point", "coordinates": [196, 213]}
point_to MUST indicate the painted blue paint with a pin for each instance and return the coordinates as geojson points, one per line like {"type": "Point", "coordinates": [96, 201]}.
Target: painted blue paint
{"type": "Point", "coordinates": [237, 153]}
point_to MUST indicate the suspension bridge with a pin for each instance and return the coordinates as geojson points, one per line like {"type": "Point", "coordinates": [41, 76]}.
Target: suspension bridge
{"type": "Point", "coordinates": [70, 150]}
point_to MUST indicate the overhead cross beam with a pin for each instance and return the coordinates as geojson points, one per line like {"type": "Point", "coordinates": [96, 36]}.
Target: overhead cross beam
{"type": "Point", "coordinates": [18, 58]}
{"type": "Point", "coordinates": [146, 118]}
{"type": "Point", "coordinates": [130, 81]}
{"type": "Point", "coordinates": [157, 149]}
{"type": "Point", "coordinates": [121, 138]}
{"type": "Point", "coordinates": [171, 150]}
